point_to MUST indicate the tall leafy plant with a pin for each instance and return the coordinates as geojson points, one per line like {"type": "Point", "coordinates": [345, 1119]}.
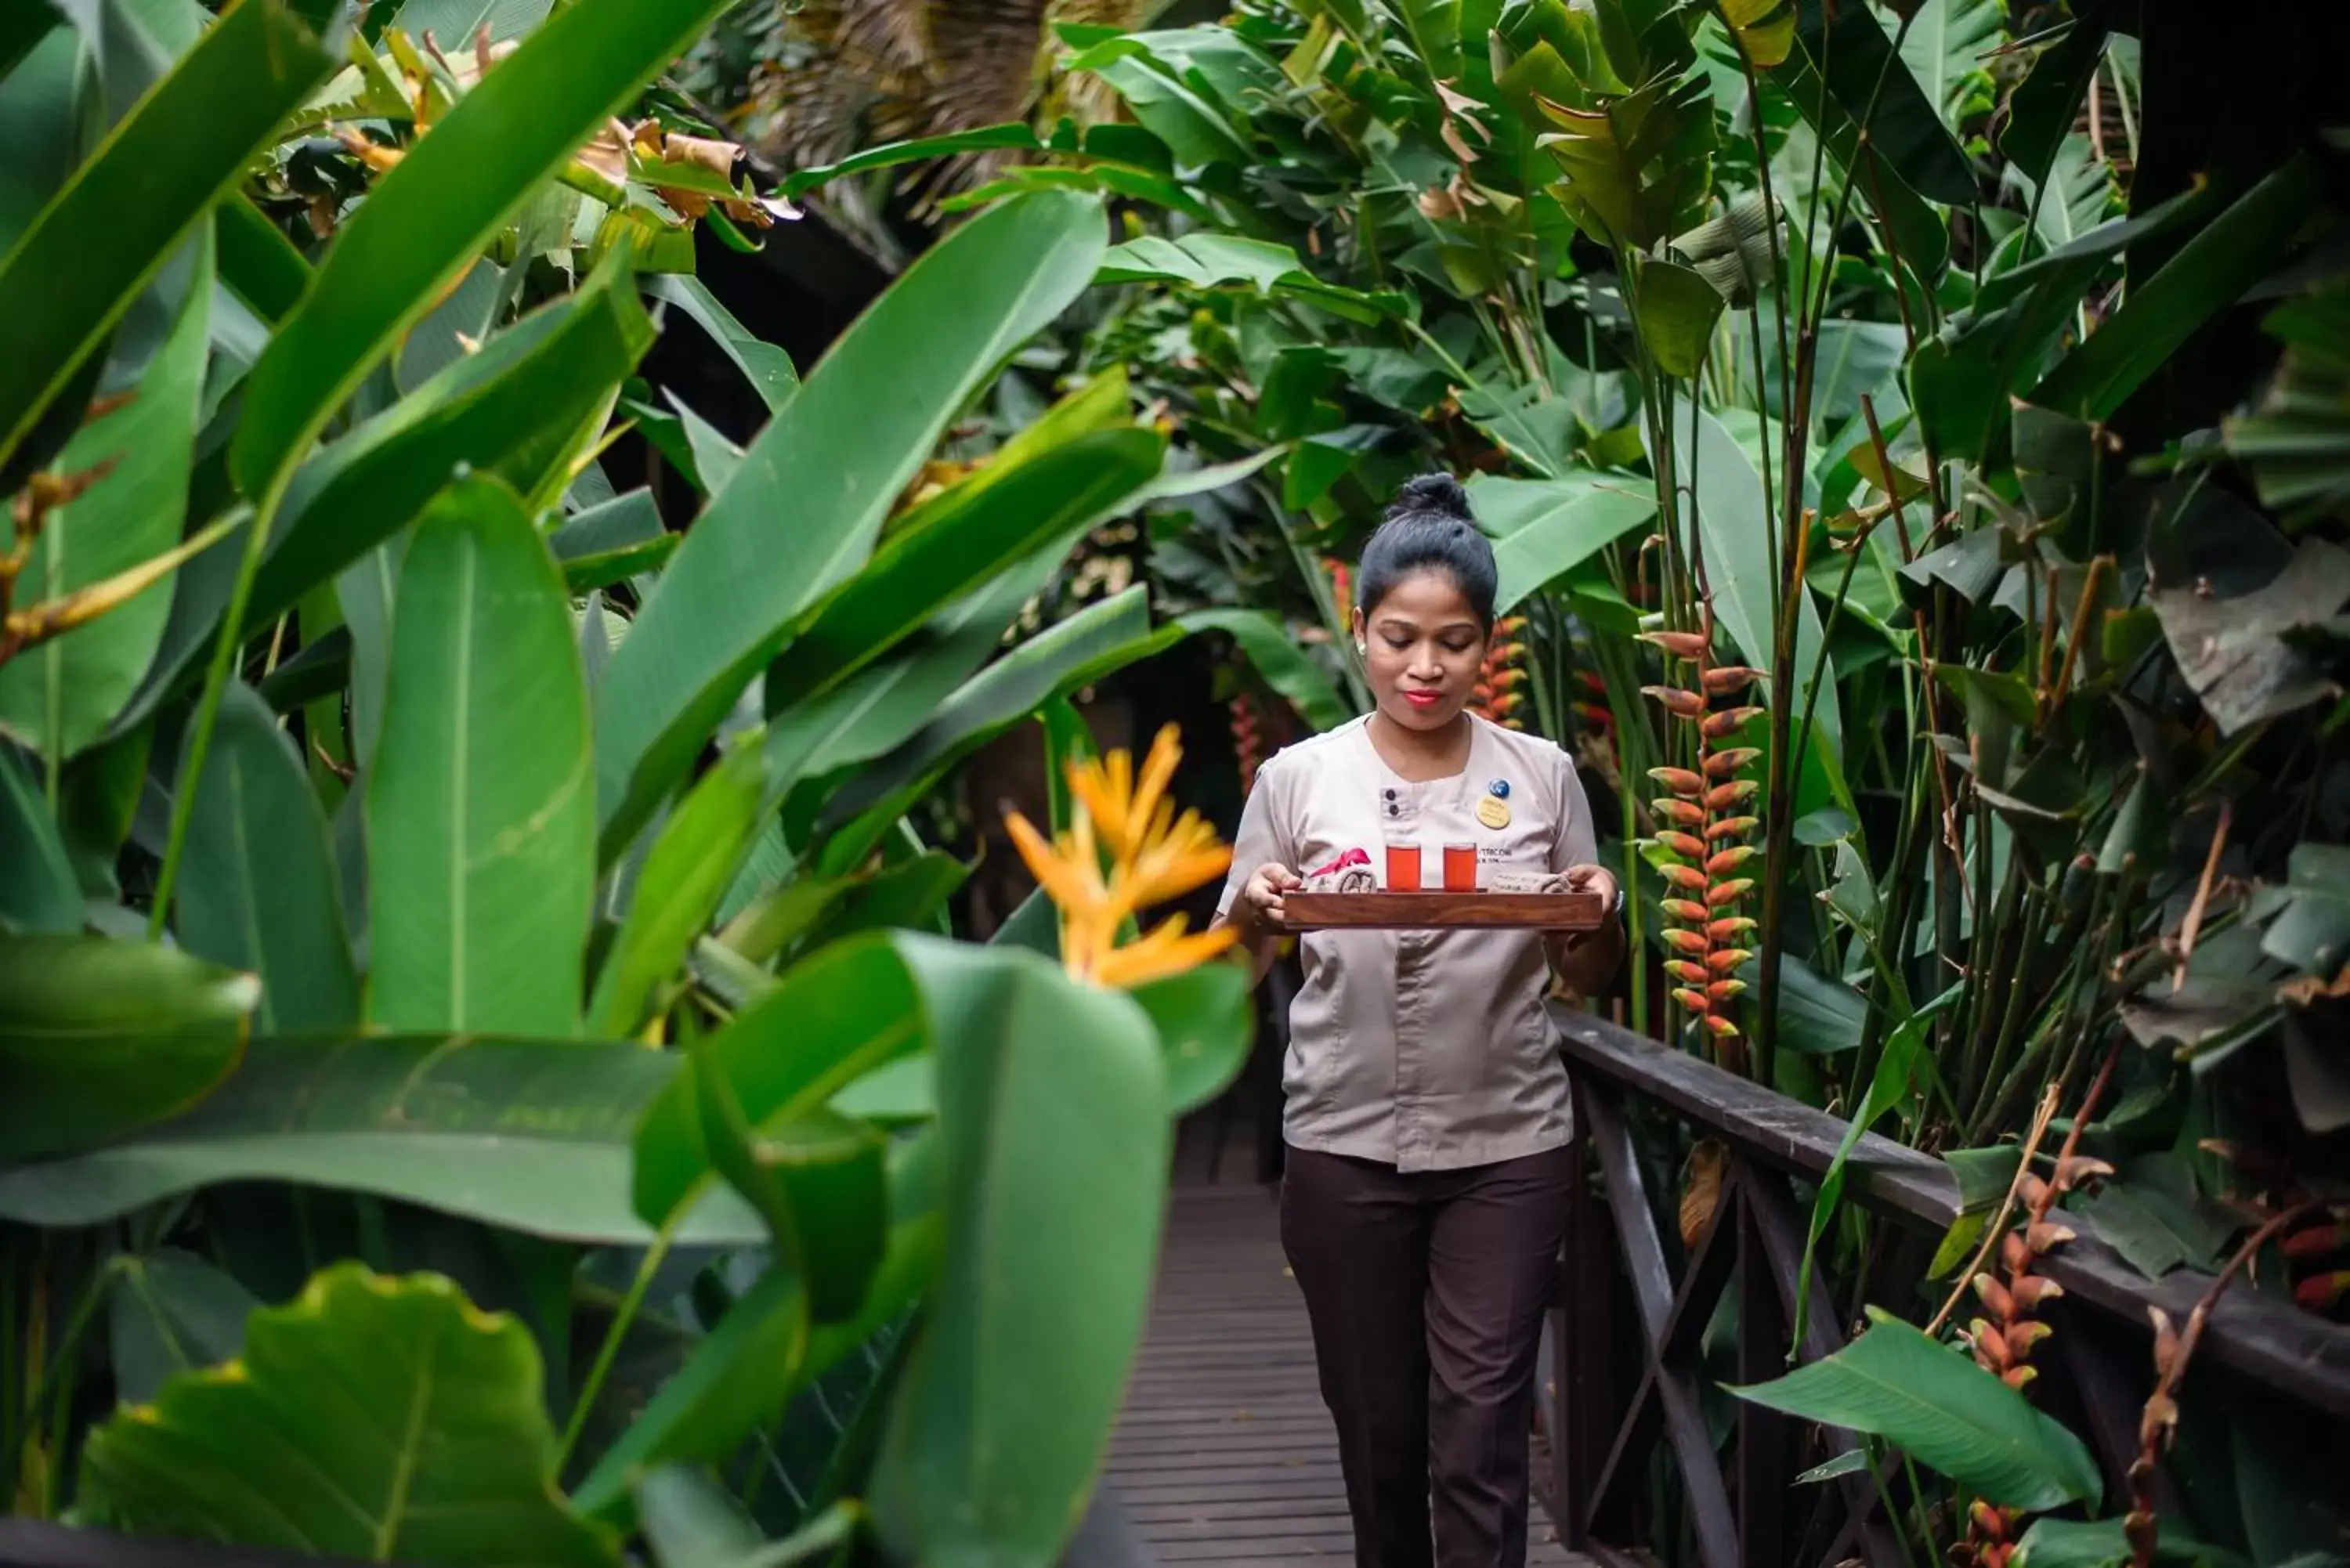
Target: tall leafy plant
{"type": "Point", "coordinates": [376, 785]}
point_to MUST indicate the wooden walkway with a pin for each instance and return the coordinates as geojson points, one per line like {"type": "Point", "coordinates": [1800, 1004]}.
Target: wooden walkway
{"type": "Point", "coordinates": [1226, 1453]}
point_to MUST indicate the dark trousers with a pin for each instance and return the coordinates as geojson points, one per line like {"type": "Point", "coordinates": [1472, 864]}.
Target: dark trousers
{"type": "Point", "coordinates": [1427, 1290]}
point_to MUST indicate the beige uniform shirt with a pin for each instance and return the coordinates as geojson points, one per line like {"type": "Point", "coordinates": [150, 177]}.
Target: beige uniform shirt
{"type": "Point", "coordinates": [1423, 1050]}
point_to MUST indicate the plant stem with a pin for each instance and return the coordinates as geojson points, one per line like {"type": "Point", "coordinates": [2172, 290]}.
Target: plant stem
{"type": "Point", "coordinates": [1998, 1226]}
{"type": "Point", "coordinates": [1990, 970]}
{"type": "Point", "coordinates": [56, 1380]}
{"type": "Point", "coordinates": [1885, 1500]}
{"type": "Point", "coordinates": [2152, 1425]}
{"type": "Point", "coordinates": [2193, 926]}
{"type": "Point", "coordinates": [197, 740]}
{"type": "Point", "coordinates": [610, 1349]}
{"type": "Point", "coordinates": [2020, 992]}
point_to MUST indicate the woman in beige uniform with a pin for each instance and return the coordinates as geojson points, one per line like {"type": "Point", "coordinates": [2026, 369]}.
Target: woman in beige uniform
{"type": "Point", "coordinates": [1426, 1112]}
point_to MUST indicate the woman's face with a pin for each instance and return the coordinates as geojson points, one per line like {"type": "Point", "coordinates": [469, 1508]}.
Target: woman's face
{"type": "Point", "coordinates": [1423, 646]}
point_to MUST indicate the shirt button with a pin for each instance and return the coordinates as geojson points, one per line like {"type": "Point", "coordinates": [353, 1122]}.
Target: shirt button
{"type": "Point", "coordinates": [1394, 810]}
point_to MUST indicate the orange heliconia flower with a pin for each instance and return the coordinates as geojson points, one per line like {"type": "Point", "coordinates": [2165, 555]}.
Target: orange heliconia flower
{"type": "Point", "coordinates": [1154, 856]}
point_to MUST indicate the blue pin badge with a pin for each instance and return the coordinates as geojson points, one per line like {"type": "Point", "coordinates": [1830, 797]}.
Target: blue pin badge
{"type": "Point", "coordinates": [1493, 805]}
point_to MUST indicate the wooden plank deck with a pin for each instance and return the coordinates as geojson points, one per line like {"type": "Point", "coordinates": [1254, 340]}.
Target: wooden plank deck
{"type": "Point", "coordinates": [1226, 1453]}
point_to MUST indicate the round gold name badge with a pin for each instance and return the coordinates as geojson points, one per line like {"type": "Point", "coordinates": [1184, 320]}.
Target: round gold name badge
{"type": "Point", "coordinates": [1493, 812]}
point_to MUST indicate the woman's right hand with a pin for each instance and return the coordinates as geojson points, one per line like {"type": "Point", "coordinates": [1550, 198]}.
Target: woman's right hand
{"type": "Point", "coordinates": [1260, 900]}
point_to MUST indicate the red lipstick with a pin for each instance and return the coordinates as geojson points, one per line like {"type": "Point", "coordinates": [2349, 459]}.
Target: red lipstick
{"type": "Point", "coordinates": [1423, 699]}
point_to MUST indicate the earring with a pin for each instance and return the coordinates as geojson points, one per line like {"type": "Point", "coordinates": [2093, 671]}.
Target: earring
{"type": "Point", "coordinates": [1362, 651]}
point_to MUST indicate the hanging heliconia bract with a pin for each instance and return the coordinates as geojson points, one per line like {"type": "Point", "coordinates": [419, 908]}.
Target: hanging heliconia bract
{"type": "Point", "coordinates": [1248, 739]}
{"type": "Point", "coordinates": [1499, 695]}
{"type": "Point", "coordinates": [1342, 591]}
{"type": "Point", "coordinates": [1702, 824]}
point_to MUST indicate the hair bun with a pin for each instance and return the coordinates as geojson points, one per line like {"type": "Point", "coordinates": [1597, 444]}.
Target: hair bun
{"type": "Point", "coordinates": [1438, 492]}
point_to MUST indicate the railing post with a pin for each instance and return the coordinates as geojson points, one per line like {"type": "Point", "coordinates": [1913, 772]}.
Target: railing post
{"type": "Point", "coordinates": [1579, 1327]}
{"type": "Point", "coordinates": [1762, 1330]}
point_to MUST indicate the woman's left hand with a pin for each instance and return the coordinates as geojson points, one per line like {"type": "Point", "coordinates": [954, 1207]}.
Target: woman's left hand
{"type": "Point", "coordinates": [1587, 960]}
{"type": "Point", "coordinates": [1588, 879]}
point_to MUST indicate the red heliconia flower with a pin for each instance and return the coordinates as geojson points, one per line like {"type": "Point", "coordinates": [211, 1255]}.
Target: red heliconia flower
{"type": "Point", "coordinates": [2319, 1292]}
{"type": "Point", "coordinates": [1248, 739]}
{"type": "Point", "coordinates": [1497, 697]}
{"type": "Point", "coordinates": [1695, 826]}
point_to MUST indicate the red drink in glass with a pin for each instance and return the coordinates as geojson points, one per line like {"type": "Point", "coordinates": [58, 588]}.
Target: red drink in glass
{"type": "Point", "coordinates": [1403, 868]}
{"type": "Point", "coordinates": [1460, 868]}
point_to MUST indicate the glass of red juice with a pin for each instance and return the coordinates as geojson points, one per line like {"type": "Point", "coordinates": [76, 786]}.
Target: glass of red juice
{"type": "Point", "coordinates": [1403, 868]}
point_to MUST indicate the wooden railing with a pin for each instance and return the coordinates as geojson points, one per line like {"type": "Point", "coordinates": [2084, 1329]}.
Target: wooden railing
{"type": "Point", "coordinates": [1634, 1306]}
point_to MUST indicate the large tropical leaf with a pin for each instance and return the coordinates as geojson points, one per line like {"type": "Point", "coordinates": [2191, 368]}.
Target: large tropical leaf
{"type": "Point", "coordinates": [2045, 106]}
{"type": "Point", "coordinates": [380, 1420]}
{"type": "Point", "coordinates": [123, 214]}
{"type": "Point", "coordinates": [258, 891]}
{"type": "Point", "coordinates": [100, 1037]}
{"type": "Point", "coordinates": [480, 819]}
{"type": "Point", "coordinates": [2079, 197]}
{"type": "Point", "coordinates": [1085, 646]}
{"type": "Point", "coordinates": [257, 262]}
{"type": "Point", "coordinates": [2296, 441]}
{"type": "Point", "coordinates": [767, 367]}
{"type": "Point", "coordinates": [853, 1007]}
{"type": "Point", "coordinates": [529, 1134]}
{"type": "Point", "coordinates": [693, 861]}
{"type": "Point", "coordinates": [1936, 1405]}
{"type": "Point", "coordinates": [1765, 29]}
{"type": "Point", "coordinates": [1638, 167]}
{"type": "Point", "coordinates": [1738, 569]}
{"type": "Point", "coordinates": [1052, 497]}
{"type": "Point", "coordinates": [736, 1382]}
{"type": "Point", "coordinates": [1055, 1169]}
{"type": "Point", "coordinates": [1848, 48]}
{"type": "Point", "coordinates": [514, 409]}
{"type": "Point", "coordinates": [803, 512]}
{"type": "Point", "coordinates": [1960, 381]}
{"type": "Point", "coordinates": [883, 704]}
{"type": "Point", "coordinates": [816, 1177]}
{"type": "Point", "coordinates": [1545, 528]}
{"type": "Point", "coordinates": [2068, 1543]}
{"type": "Point", "coordinates": [426, 219]}
{"type": "Point", "coordinates": [1676, 308]}
{"type": "Point", "coordinates": [58, 695]}
{"type": "Point", "coordinates": [2210, 271]}
{"type": "Point", "coordinates": [1267, 644]}
{"type": "Point", "coordinates": [38, 893]}
{"type": "Point", "coordinates": [1947, 50]}
{"type": "Point", "coordinates": [1207, 261]}
{"type": "Point", "coordinates": [1197, 128]}
{"type": "Point", "coordinates": [1434, 28]}
{"type": "Point", "coordinates": [764, 1354]}
{"type": "Point", "coordinates": [1205, 1022]}
{"type": "Point", "coordinates": [21, 29]}
{"type": "Point", "coordinates": [611, 541]}
{"type": "Point", "coordinates": [1918, 228]}
{"type": "Point", "coordinates": [169, 1311]}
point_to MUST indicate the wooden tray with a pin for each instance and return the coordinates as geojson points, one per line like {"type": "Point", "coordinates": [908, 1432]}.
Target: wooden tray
{"type": "Point", "coordinates": [1441, 910]}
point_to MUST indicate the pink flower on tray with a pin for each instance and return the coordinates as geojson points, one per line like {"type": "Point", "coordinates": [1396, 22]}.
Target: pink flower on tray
{"type": "Point", "coordinates": [1350, 873]}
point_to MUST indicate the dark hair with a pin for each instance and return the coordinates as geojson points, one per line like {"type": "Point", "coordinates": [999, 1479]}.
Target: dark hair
{"type": "Point", "coordinates": [1429, 528]}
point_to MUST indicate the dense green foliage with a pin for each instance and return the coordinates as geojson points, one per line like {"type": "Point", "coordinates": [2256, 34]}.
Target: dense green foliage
{"type": "Point", "coordinates": [377, 785]}
{"type": "Point", "coordinates": [1916, 456]}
